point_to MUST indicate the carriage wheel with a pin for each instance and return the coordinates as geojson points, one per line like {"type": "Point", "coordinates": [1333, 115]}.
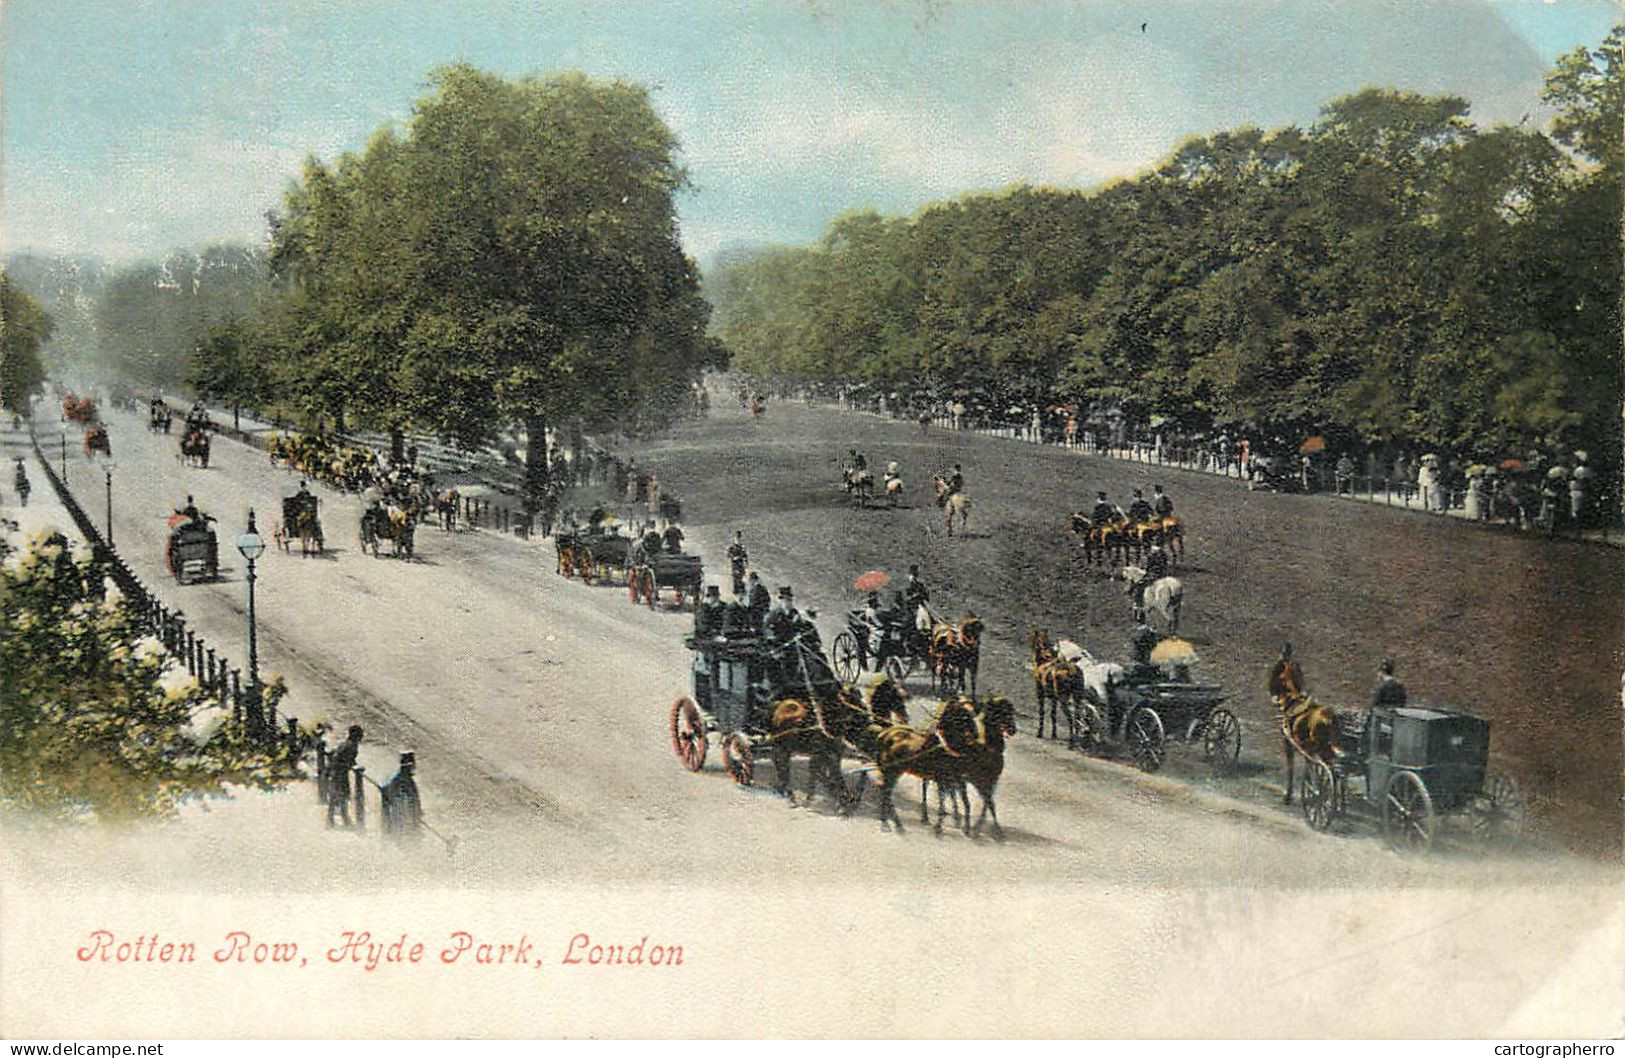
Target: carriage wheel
{"type": "Point", "coordinates": [1319, 789]}
{"type": "Point", "coordinates": [896, 668]}
{"type": "Point", "coordinates": [1407, 813]}
{"type": "Point", "coordinates": [737, 758]}
{"type": "Point", "coordinates": [1221, 739]}
{"type": "Point", "coordinates": [688, 739]}
{"type": "Point", "coordinates": [1090, 719]}
{"type": "Point", "coordinates": [1145, 738]}
{"type": "Point", "coordinates": [846, 657]}
{"type": "Point", "coordinates": [1498, 812]}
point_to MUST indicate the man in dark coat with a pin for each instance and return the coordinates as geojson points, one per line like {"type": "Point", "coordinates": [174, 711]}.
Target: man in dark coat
{"type": "Point", "coordinates": [1105, 511]}
{"type": "Point", "coordinates": [736, 563]}
{"type": "Point", "coordinates": [1139, 510]}
{"type": "Point", "coordinates": [757, 601]}
{"type": "Point", "coordinates": [709, 616]}
{"type": "Point", "coordinates": [673, 538]}
{"type": "Point", "coordinates": [403, 809]}
{"type": "Point", "coordinates": [1161, 503]}
{"type": "Point", "coordinates": [1389, 691]}
{"type": "Point", "coordinates": [339, 767]}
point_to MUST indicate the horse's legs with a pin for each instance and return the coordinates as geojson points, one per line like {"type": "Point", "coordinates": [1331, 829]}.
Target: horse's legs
{"type": "Point", "coordinates": [888, 810]}
{"type": "Point", "coordinates": [988, 811]}
{"type": "Point", "coordinates": [781, 773]}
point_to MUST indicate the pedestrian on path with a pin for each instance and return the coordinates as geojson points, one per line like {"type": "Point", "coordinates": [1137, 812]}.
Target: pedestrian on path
{"type": "Point", "coordinates": [339, 767]}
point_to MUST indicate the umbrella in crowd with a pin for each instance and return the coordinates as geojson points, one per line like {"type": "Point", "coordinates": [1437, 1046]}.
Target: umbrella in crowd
{"type": "Point", "coordinates": [1511, 464]}
{"type": "Point", "coordinates": [1314, 444]}
{"type": "Point", "coordinates": [873, 580]}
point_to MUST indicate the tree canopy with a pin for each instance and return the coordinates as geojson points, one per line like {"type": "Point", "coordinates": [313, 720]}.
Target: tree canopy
{"type": "Point", "coordinates": [24, 327]}
{"type": "Point", "coordinates": [1392, 273]}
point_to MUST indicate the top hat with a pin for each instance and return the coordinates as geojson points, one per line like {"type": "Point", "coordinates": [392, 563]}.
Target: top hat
{"type": "Point", "coordinates": [408, 758]}
{"type": "Point", "coordinates": [784, 592]}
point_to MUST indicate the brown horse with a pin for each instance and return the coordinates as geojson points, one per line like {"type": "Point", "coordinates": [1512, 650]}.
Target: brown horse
{"type": "Point", "coordinates": [956, 504]}
{"type": "Point", "coordinates": [955, 652]}
{"type": "Point", "coordinates": [1308, 724]}
{"type": "Point", "coordinates": [1102, 541]}
{"type": "Point", "coordinates": [966, 745]}
{"type": "Point", "coordinates": [817, 730]}
{"type": "Point", "coordinates": [980, 736]}
{"type": "Point", "coordinates": [1055, 682]}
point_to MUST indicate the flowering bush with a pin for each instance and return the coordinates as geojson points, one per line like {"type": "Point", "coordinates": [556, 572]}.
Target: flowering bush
{"type": "Point", "coordinates": [95, 723]}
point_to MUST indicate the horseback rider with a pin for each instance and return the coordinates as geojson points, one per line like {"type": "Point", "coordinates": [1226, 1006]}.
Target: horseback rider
{"type": "Point", "coordinates": [1105, 512]}
{"type": "Point", "coordinates": [1139, 510]}
{"type": "Point", "coordinates": [1161, 503]}
{"type": "Point", "coordinates": [953, 486]}
{"type": "Point", "coordinates": [1156, 567]}
{"type": "Point", "coordinates": [891, 470]}
{"type": "Point", "coordinates": [1286, 678]}
{"type": "Point", "coordinates": [859, 463]}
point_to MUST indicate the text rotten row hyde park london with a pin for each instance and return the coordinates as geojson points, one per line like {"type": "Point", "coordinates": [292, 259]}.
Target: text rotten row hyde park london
{"type": "Point", "coordinates": [361, 949]}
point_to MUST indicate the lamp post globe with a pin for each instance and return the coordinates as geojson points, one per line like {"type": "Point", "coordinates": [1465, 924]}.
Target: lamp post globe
{"type": "Point", "coordinates": [251, 547]}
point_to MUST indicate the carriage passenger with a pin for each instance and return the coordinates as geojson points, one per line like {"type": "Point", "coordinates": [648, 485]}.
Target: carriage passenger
{"type": "Point", "coordinates": [709, 617]}
{"type": "Point", "coordinates": [1389, 691]}
{"type": "Point", "coordinates": [673, 539]}
{"type": "Point", "coordinates": [736, 563]}
{"type": "Point", "coordinates": [757, 602]}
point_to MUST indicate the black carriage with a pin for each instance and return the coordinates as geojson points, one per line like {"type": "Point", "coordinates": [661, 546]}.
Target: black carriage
{"type": "Point", "coordinates": [736, 679]}
{"type": "Point", "coordinates": [1414, 765]}
{"type": "Point", "coordinates": [604, 554]}
{"type": "Point", "coordinates": [1153, 705]}
{"type": "Point", "coordinates": [898, 648]}
{"type": "Point", "coordinates": [670, 508]}
{"type": "Point", "coordinates": [193, 553]}
{"type": "Point", "coordinates": [300, 521]}
{"type": "Point", "coordinates": [684, 574]}
{"type": "Point", "coordinates": [158, 418]}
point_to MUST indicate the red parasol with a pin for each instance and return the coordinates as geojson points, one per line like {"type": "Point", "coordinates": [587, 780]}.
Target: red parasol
{"type": "Point", "coordinates": [1511, 464]}
{"type": "Point", "coordinates": [1315, 444]}
{"type": "Point", "coordinates": [873, 580]}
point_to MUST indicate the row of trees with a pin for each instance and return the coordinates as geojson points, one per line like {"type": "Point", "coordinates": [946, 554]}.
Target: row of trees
{"type": "Point", "coordinates": [509, 257]}
{"type": "Point", "coordinates": [24, 327]}
{"type": "Point", "coordinates": [1392, 273]}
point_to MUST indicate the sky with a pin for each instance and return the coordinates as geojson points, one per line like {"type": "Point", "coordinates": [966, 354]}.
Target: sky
{"type": "Point", "coordinates": [132, 127]}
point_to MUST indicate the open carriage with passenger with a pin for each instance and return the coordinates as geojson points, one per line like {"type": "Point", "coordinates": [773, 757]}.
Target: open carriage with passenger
{"type": "Point", "coordinates": [1412, 767]}
{"type": "Point", "coordinates": [893, 644]}
{"type": "Point", "coordinates": [158, 417]}
{"type": "Point", "coordinates": [1135, 709]}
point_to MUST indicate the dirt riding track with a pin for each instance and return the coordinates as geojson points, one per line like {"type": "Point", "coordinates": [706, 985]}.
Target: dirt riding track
{"type": "Point", "coordinates": [1527, 632]}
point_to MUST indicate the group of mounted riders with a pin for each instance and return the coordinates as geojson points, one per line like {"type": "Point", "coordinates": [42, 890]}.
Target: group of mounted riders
{"type": "Point", "coordinates": [859, 481]}
{"type": "Point", "coordinates": [1111, 533]}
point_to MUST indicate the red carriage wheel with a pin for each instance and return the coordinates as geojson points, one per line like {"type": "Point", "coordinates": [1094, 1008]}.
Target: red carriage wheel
{"type": "Point", "coordinates": [737, 758]}
{"type": "Point", "coordinates": [688, 739]}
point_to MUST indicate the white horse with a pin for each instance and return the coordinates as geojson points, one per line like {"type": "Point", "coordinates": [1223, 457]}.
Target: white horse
{"type": "Point", "coordinates": [1098, 679]}
{"type": "Point", "coordinates": [1162, 596]}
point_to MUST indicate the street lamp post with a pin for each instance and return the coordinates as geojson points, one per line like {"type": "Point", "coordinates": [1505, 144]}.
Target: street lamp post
{"type": "Point", "coordinates": [251, 547]}
{"type": "Point", "coordinates": [64, 455]}
{"type": "Point", "coordinates": [107, 469]}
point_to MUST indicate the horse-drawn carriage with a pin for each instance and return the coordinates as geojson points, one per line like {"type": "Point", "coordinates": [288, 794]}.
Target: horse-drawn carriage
{"type": "Point", "coordinates": [1415, 765]}
{"type": "Point", "coordinates": [648, 573]}
{"type": "Point", "coordinates": [96, 441]}
{"type": "Point", "coordinates": [158, 417]}
{"type": "Point", "coordinates": [390, 522]}
{"type": "Point", "coordinates": [193, 553]}
{"type": "Point", "coordinates": [300, 522]}
{"type": "Point", "coordinates": [194, 450]}
{"type": "Point", "coordinates": [1133, 709]}
{"type": "Point", "coordinates": [595, 555]}
{"type": "Point", "coordinates": [898, 648]}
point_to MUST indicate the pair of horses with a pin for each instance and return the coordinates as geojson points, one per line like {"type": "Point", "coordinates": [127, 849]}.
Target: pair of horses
{"type": "Point", "coordinates": [394, 523]}
{"type": "Point", "coordinates": [195, 447]}
{"type": "Point", "coordinates": [954, 651]}
{"type": "Point", "coordinates": [860, 484]}
{"type": "Point", "coordinates": [1071, 682]}
{"type": "Point", "coordinates": [963, 748]}
{"type": "Point", "coordinates": [79, 409]}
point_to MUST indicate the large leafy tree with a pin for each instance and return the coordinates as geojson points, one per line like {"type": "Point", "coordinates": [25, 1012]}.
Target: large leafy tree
{"type": "Point", "coordinates": [24, 326]}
